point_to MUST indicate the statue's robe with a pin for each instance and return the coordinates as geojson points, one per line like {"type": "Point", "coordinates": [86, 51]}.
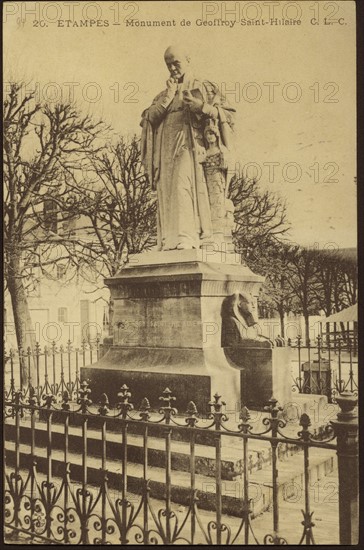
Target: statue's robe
{"type": "Point", "coordinates": [172, 152]}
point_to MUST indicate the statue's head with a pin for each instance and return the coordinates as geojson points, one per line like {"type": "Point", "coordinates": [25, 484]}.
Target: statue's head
{"type": "Point", "coordinates": [241, 306]}
{"type": "Point", "coordinates": [211, 135]}
{"type": "Point", "coordinates": [177, 61]}
{"type": "Point", "coordinates": [246, 307]}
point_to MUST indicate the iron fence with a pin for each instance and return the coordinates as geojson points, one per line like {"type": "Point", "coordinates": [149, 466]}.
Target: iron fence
{"type": "Point", "coordinates": [319, 367]}
{"type": "Point", "coordinates": [52, 369]}
{"type": "Point", "coordinates": [46, 512]}
{"type": "Point", "coordinates": [325, 367]}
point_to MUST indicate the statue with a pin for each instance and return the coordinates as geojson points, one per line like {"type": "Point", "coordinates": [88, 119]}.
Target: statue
{"type": "Point", "coordinates": [216, 168]}
{"type": "Point", "coordinates": [238, 316]}
{"type": "Point", "coordinates": [264, 366]}
{"type": "Point", "coordinates": [173, 150]}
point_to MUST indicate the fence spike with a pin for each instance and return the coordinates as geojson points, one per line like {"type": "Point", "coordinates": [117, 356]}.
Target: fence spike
{"type": "Point", "coordinates": [216, 404]}
{"type": "Point", "coordinates": [167, 410]}
{"type": "Point", "coordinates": [104, 404]}
{"type": "Point", "coordinates": [32, 396]}
{"type": "Point", "coordinates": [48, 399]}
{"type": "Point", "coordinates": [192, 412]}
{"type": "Point", "coordinates": [18, 397]}
{"type": "Point", "coordinates": [305, 421]}
{"type": "Point", "coordinates": [123, 404]}
{"type": "Point", "coordinates": [191, 408]}
{"type": "Point", "coordinates": [145, 405]}
{"type": "Point", "coordinates": [216, 412]}
{"type": "Point", "coordinates": [167, 397]}
{"type": "Point", "coordinates": [144, 409]}
{"type": "Point", "coordinates": [244, 414]}
{"type": "Point", "coordinates": [84, 400]}
{"type": "Point", "coordinates": [65, 401]}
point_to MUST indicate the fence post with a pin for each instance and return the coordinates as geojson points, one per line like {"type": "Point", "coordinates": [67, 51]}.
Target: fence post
{"type": "Point", "coordinates": [346, 430]}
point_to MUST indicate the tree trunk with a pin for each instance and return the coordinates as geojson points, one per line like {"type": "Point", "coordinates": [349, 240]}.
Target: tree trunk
{"type": "Point", "coordinates": [111, 317]}
{"type": "Point", "coordinates": [281, 316]}
{"type": "Point", "coordinates": [25, 334]}
{"type": "Point", "coordinates": [328, 306]}
{"type": "Point", "coordinates": [307, 326]}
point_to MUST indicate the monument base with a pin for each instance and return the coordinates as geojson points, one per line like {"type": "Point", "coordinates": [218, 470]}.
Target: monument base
{"type": "Point", "coordinates": [264, 372]}
{"type": "Point", "coordinates": [167, 332]}
{"type": "Point", "coordinates": [191, 375]}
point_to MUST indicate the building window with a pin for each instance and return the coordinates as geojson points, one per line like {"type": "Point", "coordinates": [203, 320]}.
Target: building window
{"type": "Point", "coordinates": [61, 271]}
{"type": "Point", "coordinates": [36, 288]}
{"type": "Point", "coordinates": [69, 226]}
{"type": "Point", "coordinates": [50, 211]}
{"type": "Point", "coordinates": [105, 320]}
{"type": "Point", "coordinates": [62, 315]}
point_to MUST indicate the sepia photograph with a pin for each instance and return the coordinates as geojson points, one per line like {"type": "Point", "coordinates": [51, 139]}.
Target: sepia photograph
{"type": "Point", "coordinates": [180, 273]}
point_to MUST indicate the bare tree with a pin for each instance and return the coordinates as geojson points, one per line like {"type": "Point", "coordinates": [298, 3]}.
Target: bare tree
{"type": "Point", "coordinates": [327, 274]}
{"type": "Point", "coordinates": [349, 273]}
{"type": "Point", "coordinates": [336, 281]}
{"type": "Point", "coordinates": [115, 207]}
{"type": "Point", "coordinates": [260, 216]}
{"type": "Point", "coordinates": [41, 143]}
{"type": "Point", "coordinates": [272, 261]}
{"type": "Point", "coordinates": [260, 229]}
{"type": "Point", "coordinates": [302, 278]}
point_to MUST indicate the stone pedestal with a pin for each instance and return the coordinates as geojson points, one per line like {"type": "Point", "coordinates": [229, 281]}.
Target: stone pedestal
{"type": "Point", "coordinates": [264, 371]}
{"type": "Point", "coordinates": [167, 328]}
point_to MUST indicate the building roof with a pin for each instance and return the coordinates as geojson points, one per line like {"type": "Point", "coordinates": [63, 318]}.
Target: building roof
{"type": "Point", "coordinates": [344, 253]}
{"type": "Point", "coordinates": [347, 315]}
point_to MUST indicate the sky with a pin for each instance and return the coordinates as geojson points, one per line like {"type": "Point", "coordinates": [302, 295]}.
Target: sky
{"type": "Point", "coordinates": [293, 86]}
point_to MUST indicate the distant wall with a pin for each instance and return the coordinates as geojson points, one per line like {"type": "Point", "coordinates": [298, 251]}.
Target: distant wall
{"type": "Point", "coordinates": [294, 326]}
{"type": "Point", "coordinates": [62, 313]}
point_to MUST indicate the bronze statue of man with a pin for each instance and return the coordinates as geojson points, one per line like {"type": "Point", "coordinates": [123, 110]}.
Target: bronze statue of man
{"type": "Point", "coordinates": [173, 149]}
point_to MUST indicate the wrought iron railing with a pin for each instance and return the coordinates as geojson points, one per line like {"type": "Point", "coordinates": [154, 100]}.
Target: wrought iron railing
{"type": "Point", "coordinates": [319, 367]}
{"type": "Point", "coordinates": [324, 367]}
{"type": "Point", "coordinates": [45, 512]}
{"type": "Point", "coordinates": [52, 369]}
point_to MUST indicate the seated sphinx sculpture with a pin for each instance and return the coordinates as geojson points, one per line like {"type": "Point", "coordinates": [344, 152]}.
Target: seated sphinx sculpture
{"type": "Point", "coordinates": [239, 323]}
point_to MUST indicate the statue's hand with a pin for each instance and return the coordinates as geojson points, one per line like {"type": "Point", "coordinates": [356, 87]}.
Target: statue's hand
{"type": "Point", "coordinates": [171, 87]}
{"type": "Point", "coordinates": [194, 103]}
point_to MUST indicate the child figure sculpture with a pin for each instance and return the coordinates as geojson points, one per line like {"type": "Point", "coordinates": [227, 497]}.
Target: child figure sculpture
{"type": "Point", "coordinates": [215, 166]}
